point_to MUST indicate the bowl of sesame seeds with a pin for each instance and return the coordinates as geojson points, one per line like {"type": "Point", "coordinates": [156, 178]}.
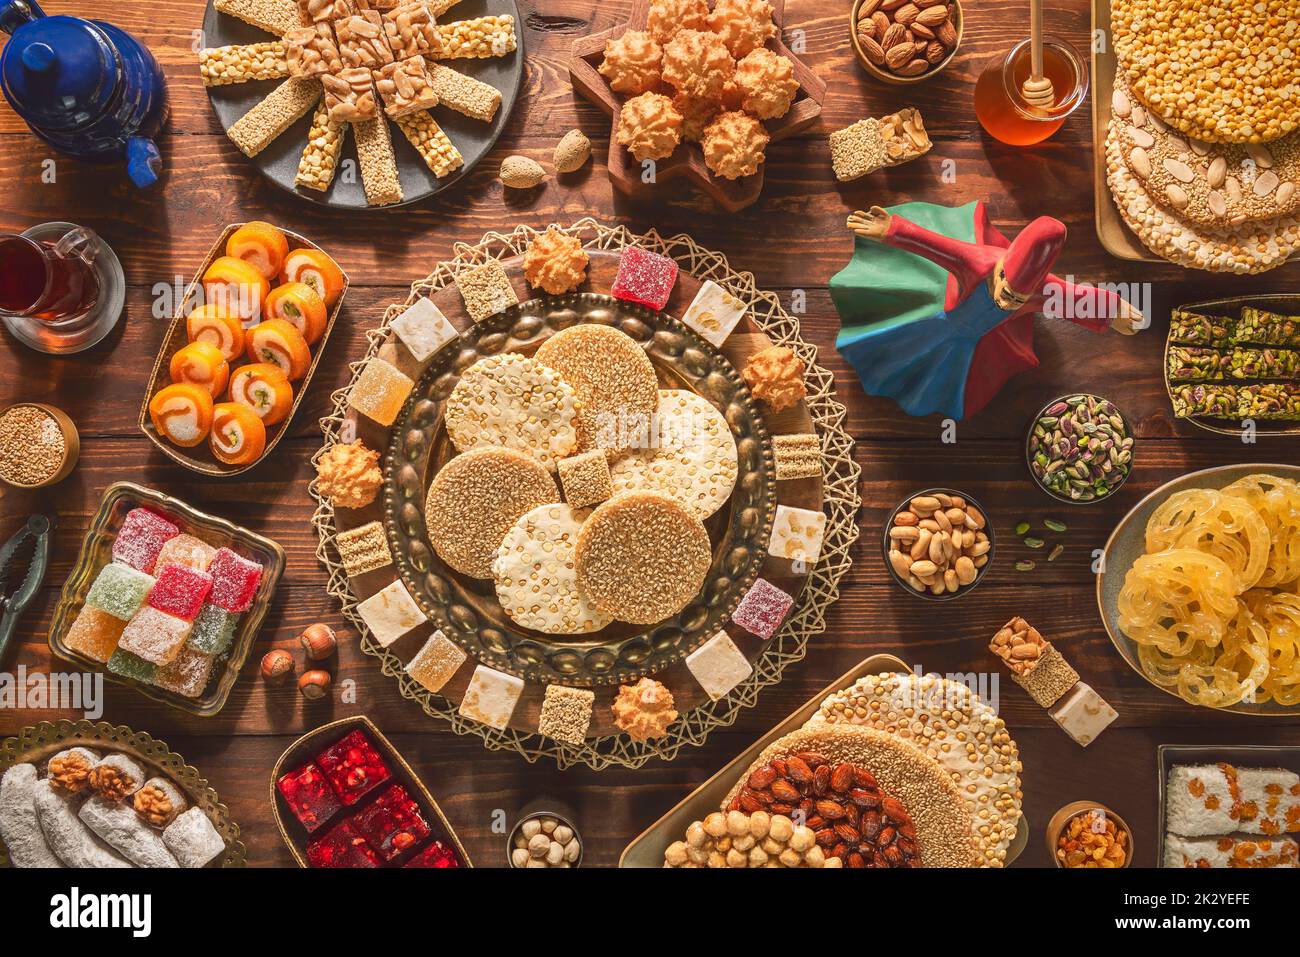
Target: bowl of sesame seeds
{"type": "Point", "coordinates": [39, 445]}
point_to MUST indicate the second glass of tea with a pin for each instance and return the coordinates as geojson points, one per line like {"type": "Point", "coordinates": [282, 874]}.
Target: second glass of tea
{"type": "Point", "coordinates": [1001, 107]}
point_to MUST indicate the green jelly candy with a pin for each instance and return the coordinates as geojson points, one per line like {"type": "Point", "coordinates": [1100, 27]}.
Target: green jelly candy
{"type": "Point", "coordinates": [214, 630]}
{"type": "Point", "coordinates": [119, 590]}
{"type": "Point", "coordinates": [129, 666]}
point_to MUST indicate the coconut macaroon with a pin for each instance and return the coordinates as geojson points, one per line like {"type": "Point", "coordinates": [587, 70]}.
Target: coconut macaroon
{"type": "Point", "coordinates": [641, 557]}
{"type": "Point", "coordinates": [955, 728]}
{"type": "Point", "coordinates": [536, 580]}
{"type": "Point", "coordinates": [475, 499]}
{"type": "Point", "coordinates": [613, 378]}
{"type": "Point", "coordinates": [689, 454]}
{"type": "Point", "coordinates": [942, 818]}
{"type": "Point", "coordinates": [517, 402]}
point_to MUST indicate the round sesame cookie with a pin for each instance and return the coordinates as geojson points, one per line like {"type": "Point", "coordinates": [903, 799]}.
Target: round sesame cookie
{"type": "Point", "coordinates": [641, 557]}
{"type": "Point", "coordinates": [1216, 185]}
{"type": "Point", "coordinates": [950, 723]}
{"type": "Point", "coordinates": [943, 823]}
{"type": "Point", "coordinates": [537, 583]}
{"type": "Point", "coordinates": [1220, 71]}
{"type": "Point", "coordinates": [517, 402]}
{"type": "Point", "coordinates": [1252, 248]}
{"type": "Point", "coordinates": [689, 454]}
{"type": "Point", "coordinates": [612, 377]}
{"type": "Point", "coordinates": [476, 498]}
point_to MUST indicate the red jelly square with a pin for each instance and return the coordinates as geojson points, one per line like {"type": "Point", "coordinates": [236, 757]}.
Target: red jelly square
{"type": "Point", "coordinates": [341, 846]}
{"type": "Point", "coordinates": [392, 823]}
{"type": "Point", "coordinates": [645, 277]}
{"type": "Point", "coordinates": [234, 580]}
{"type": "Point", "coordinates": [180, 591]}
{"type": "Point", "coordinates": [435, 855]}
{"type": "Point", "coordinates": [308, 793]}
{"type": "Point", "coordinates": [141, 538]}
{"type": "Point", "coordinates": [353, 767]}
{"type": "Point", "coordinates": [762, 609]}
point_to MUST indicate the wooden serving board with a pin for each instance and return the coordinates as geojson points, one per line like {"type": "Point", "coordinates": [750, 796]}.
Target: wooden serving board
{"type": "Point", "coordinates": [687, 161]}
{"type": "Point", "coordinates": [804, 493]}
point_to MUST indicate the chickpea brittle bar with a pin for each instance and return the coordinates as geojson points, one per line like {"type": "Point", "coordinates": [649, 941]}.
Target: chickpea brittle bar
{"type": "Point", "coordinates": [478, 38]}
{"type": "Point", "coordinates": [437, 151]}
{"type": "Point", "coordinates": [241, 63]}
{"type": "Point", "coordinates": [320, 158]}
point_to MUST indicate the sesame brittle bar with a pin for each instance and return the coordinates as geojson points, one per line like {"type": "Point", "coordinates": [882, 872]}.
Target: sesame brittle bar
{"type": "Point", "coordinates": [273, 16]}
{"type": "Point", "coordinates": [378, 164]}
{"type": "Point", "coordinates": [464, 94]}
{"type": "Point", "coordinates": [272, 116]}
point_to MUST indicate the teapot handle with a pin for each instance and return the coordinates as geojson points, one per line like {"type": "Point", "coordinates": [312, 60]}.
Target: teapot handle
{"type": "Point", "coordinates": [14, 13]}
{"type": "Point", "coordinates": [143, 161]}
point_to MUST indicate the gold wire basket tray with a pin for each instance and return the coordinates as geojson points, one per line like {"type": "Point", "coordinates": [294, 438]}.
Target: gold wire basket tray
{"type": "Point", "coordinates": [840, 495]}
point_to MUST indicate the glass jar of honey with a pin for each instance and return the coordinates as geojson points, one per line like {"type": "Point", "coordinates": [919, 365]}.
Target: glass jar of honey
{"type": "Point", "coordinates": [1001, 107]}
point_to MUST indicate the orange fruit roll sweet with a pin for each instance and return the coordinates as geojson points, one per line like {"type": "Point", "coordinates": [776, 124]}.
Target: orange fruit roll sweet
{"type": "Point", "coordinates": [261, 245]}
{"type": "Point", "coordinates": [279, 343]}
{"type": "Point", "coordinates": [264, 388]}
{"type": "Point", "coordinates": [203, 364]}
{"type": "Point", "coordinates": [182, 413]}
{"type": "Point", "coordinates": [238, 435]}
{"type": "Point", "coordinates": [236, 286]}
{"type": "Point", "coordinates": [316, 269]}
{"type": "Point", "coordinates": [300, 305]}
{"type": "Point", "coordinates": [212, 324]}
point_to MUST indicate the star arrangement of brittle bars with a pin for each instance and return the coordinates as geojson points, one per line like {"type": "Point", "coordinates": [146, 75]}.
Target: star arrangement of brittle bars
{"type": "Point", "coordinates": [359, 64]}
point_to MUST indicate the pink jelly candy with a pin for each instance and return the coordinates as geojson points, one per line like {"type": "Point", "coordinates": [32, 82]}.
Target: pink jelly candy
{"type": "Point", "coordinates": [234, 580]}
{"type": "Point", "coordinates": [341, 846]}
{"type": "Point", "coordinates": [645, 277]}
{"type": "Point", "coordinates": [309, 796]}
{"type": "Point", "coordinates": [762, 609]}
{"type": "Point", "coordinates": [180, 591]}
{"type": "Point", "coordinates": [141, 538]}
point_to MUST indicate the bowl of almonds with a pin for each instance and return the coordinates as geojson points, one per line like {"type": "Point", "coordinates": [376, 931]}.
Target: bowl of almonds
{"type": "Point", "coordinates": [938, 544]}
{"type": "Point", "coordinates": [905, 41]}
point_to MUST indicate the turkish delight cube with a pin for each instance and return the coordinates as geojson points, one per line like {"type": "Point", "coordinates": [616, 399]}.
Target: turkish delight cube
{"type": "Point", "coordinates": [797, 534]}
{"type": "Point", "coordinates": [718, 665]}
{"type": "Point", "coordinates": [180, 591]}
{"type": "Point", "coordinates": [94, 633]}
{"type": "Point", "coordinates": [644, 277]}
{"type": "Point", "coordinates": [155, 636]}
{"type": "Point", "coordinates": [762, 609]}
{"type": "Point", "coordinates": [423, 328]}
{"type": "Point", "coordinates": [1083, 714]}
{"type": "Point", "coordinates": [188, 551]}
{"type": "Point", "coordinates": [405, 88]}
{"type": "Point", "coordinates": [390, 613]}
{"type": "Point", "coordinates": [214, 630]}
{"type": "Point", "coordinates": [234, 580]}
{"type": "Point", "coordinates": [141, 538]}
{"type": "Point", "coordinates": [380, 391]}
{"type": "Point", "coordinates": [341, 846]}
{"type": "Point", "coordinates": [436, 855]}
{"type": "Point", "coordinates": [309, 795]}
{"type": "Point", "coordinates": [119, 590]}
{"type": "Point", "coordinates": [435, 663]}
{"type": "Point", "coordinates": [192, 839]}
{"type": "Point", "coordinates": [392, 824]}
{"type": "Point", "coordinates": [127, 665]}
{"type": "Point", "coordinates": [188, 673]}
{"type": "Point", "coordinates": [713, 313]}
{"type": "Point", "coordinates": [353, 767]}
{"type": "Point", "coordinates": [491, 697]}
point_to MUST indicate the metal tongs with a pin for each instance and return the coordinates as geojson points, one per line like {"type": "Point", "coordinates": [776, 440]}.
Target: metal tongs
{"type": "Point", "coordinates": [36, 535]}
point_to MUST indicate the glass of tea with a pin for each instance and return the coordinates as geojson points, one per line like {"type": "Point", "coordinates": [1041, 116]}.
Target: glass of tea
{"type": "Point", "coordinates": [50, 281]}
{"type": "Point", "coordinates": [1001, 107]}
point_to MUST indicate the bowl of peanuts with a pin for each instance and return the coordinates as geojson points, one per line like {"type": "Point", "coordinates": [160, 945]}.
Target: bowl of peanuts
{"type": "Point", "coordinates": [905, 41]}
{"type": "Point", "coordinates": [938, 544]}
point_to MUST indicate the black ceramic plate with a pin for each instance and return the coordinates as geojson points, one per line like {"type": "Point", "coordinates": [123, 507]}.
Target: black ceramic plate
{"type": "Point", "coordinates": [474, 138]}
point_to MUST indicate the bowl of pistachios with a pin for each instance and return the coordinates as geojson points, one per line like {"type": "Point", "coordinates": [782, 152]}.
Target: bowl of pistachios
{"type": "Point", "coordinates": [1079, 448]}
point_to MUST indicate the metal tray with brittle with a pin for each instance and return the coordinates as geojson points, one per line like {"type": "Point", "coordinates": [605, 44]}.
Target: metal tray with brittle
{"type": "Point", "coordinates": [467, 610]}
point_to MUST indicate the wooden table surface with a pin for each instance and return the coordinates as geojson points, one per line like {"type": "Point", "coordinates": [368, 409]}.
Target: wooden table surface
{"type": "Point", "coordinates": [793, 239]}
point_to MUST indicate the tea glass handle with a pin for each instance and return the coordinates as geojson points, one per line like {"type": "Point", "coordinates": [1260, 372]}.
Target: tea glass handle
{"type": "Point", "coordinates": [78, 243]}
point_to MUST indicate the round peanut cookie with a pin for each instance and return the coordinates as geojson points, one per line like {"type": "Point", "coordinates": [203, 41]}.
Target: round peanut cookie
{"type": "Point", "coordinates": [517, 402]}
{"type": "Point", "coordinates": [1252, 248]}
{"type": "Point", "coordinates": [476, 498]}
{"type": "Point", "coordinates": [612, 377]}
{"type": "Point", "coordinates": [1220, 71]}
{"type": "Point", "coordinates": [641, 557]}
{"type": "Point", "coordinates": [537, 583]}
{"type": "Point", "coordinates": [690, 455]}
{"type": "Point", "coordinates": [1216, 185]}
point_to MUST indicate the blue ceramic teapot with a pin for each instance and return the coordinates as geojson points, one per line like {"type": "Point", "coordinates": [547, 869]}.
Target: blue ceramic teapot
{"type": "Point", "coordinates": [87, 88]}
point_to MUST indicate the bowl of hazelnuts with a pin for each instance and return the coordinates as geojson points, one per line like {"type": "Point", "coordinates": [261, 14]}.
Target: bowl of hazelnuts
{"type": "Point", "coordinates": [905, 41]}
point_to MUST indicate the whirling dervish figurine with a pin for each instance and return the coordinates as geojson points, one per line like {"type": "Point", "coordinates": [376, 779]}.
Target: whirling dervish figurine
{"type": "Point", "coordinates": [939, 322]}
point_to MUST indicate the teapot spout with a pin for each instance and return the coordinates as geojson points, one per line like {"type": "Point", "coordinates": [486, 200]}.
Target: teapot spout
{"type": "Point", "coordinates": [143, 161]}
{"type": "Point", "coordinates": [14, 13]}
